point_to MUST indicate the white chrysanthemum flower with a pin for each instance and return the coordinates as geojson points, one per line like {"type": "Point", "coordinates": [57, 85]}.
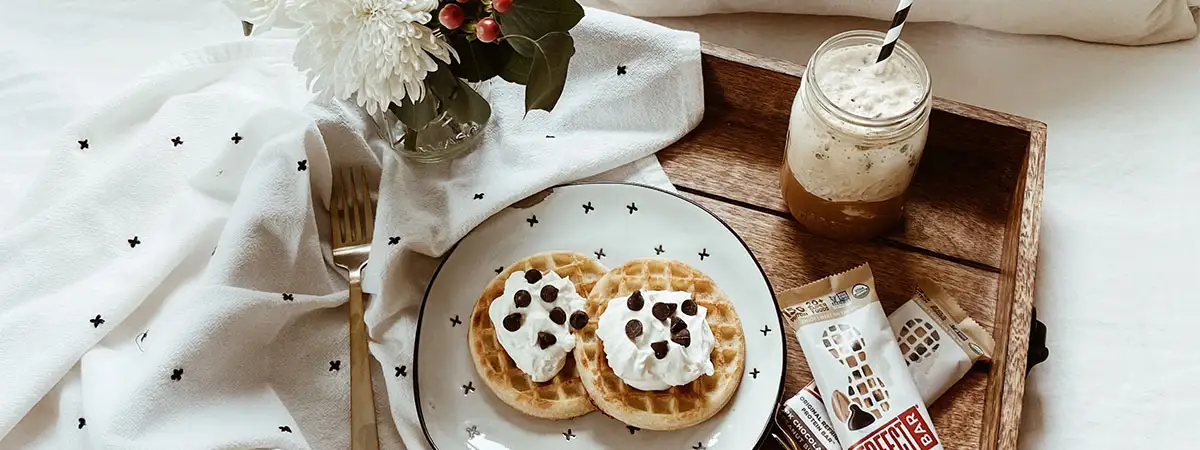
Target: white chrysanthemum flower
{"type": "Point", "coordinates": [264, 14]}
{"type": "Point", "coordinates": [378, 51]}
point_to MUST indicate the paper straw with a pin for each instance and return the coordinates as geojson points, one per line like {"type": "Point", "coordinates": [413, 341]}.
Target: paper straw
{"type": "Point", "coordinates": [893, 34]}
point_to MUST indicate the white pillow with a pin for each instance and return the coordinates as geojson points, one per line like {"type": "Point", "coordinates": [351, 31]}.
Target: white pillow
{"type": "Point", "coordinates": [1129, 22]}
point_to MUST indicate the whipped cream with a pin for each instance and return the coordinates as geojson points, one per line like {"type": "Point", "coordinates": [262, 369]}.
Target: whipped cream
{"type": "Point", "coordinates": [524, 345]}
{"type": "Point", "coordinates": [635, 359]}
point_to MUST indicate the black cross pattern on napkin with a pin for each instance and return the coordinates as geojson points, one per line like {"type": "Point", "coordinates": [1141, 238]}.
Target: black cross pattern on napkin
{"type": "Point", "coordinates": [754, 373]}
{"type": "Point", "coordinates": [133, 242]}
{"type": "Point", "coordinates": [176, 374]}
{"type": "Point", "coordinates": [335, 365]}
{"type": "Point", "coordinates": [765, 330]}
{"type": "Point", "coordinates": [82, 423]}
{"type": "Point", "coordinates": [631, 207]}
{"type": "Point", "coordinates": [699, 446]}
{"type": "Point", "coordinates": [587, 208]}
{"type": "Point", "coordinates": [532, 221]}
{"type": "Point", "coordinates": [632, 429]}
{"type": "Point", "coordinates": [620, 70]}
{"type": "Point", "coordinates": [83, 145]}
{"type": "Point", "coordinates": [658, 250]}
{"type": "Point", "coordinates": [499, 269]}
{"type": "Point", "coordinates": [288, 297]}
{"type": "Point", "coordinates": [704, 254]}
{"type": "Point", "coordinates": [97, 321]}
{"type": "Point", "coordinates": [285, 429]}
{"type": "Point", "coordinates": [599, 254]}
{"type": "Point", "coordinates": [176, 141]}
{"type": "Point", "coordinates": [569, 434]}
{"type": "Point", "coordinates": [141, 338]}
{"type": "Point", "coordinates": [236, 139]}
{"type": "Point", "coordinates": [473, 431]}
{"type": "Point", "coordinates": [393, 240]}
{"type": "Point", "coordinates": [301, 165]}
{"type": "Point", "coordinates": [455, 321]}
{"type": "Point", "coordinates": [468, 388]}
{"type": "Point", "coordinates": [401, 371]}
{"type": "Point", "coordinates": [479, 196]}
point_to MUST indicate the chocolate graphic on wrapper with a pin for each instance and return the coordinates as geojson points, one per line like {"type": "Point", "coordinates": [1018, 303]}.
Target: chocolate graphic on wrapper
{"type": "Point", "coordinates": [859, 419]}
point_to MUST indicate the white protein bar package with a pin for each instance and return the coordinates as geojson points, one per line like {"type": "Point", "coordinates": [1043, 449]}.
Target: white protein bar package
{"type": "Point", "coordinates": [924, 327]}
{"type": "Point", "coordinates": [856, 363]}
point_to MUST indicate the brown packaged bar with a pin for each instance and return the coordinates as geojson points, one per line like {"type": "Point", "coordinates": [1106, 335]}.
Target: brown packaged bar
{"type": "Point", "coordinates": [939, 342]}
{"type": "Point", "coordinates": [855, 360]}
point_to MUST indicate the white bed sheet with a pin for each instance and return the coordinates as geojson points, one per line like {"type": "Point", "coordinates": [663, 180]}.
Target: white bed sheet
{"type": "Point", "coordinates": [1122, 199]}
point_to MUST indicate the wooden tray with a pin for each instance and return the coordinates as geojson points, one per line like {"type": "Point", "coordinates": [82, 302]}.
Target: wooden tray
{"type": "Point", "coordinates": [972, 224]}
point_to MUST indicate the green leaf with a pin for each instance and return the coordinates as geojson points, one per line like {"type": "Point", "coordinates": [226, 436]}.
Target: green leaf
{"type": "Point", "coordinates": [534, 19]}
{"type": "Point", "coordinates": [457, 97]}
{"type": "Point", "coordinates": [467, 105]}
{"type": "Point", "coordinates": [547, 70]}
{"type": "Point", "coordinates": [517, 69]}
{"type": "Point", "coordinates": [477, 60]}
{"type": "Point", "coordinates": [417, 115]}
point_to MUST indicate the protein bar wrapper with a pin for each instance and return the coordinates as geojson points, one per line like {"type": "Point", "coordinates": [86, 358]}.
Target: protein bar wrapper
{"type": "Point", "coordinates": [923, 327]}
{"type": "Point", "coordinates": [857, 365]}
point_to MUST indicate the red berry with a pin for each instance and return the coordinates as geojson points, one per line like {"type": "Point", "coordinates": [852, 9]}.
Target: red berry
{"type": "Point", "coordinates": [451, 16]}
{"type": "Point", "coordinates": [501, 6]}
{"type": "Point", "coordinates": [487, 29]}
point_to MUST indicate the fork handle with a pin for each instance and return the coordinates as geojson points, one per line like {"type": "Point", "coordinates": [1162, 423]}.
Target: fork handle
{"type": "Point", "coordinates": [363, 432]}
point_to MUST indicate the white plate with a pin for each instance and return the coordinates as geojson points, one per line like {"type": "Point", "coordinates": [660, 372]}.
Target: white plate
{"type": "Point", "coordinates": [616, 222]}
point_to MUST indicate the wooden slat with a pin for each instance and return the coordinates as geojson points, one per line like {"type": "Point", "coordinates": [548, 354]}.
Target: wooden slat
{"type": "Point", "coordinates": [792, 258]}
{"type": "Point", "coordinates": [959, 199]}
{"type": "Point", "coordinates": [1017, 282]}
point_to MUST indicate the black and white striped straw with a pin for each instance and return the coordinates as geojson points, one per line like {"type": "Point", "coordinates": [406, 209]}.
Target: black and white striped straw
{"type": "Point", "coordinates": [893, 34]}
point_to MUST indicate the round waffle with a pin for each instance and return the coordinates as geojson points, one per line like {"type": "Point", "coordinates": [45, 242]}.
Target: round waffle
{"type": "Point", "coordinates": [563, 397]}
{"type": "Point", "coordinates": [679, 406]}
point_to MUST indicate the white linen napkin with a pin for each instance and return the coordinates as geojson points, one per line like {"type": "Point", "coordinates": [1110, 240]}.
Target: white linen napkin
{"type": "Point", "coordinates": [166, 284]}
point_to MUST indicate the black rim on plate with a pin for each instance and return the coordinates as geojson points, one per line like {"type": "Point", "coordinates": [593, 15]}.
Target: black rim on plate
{"type": "Point", "coordinates": [766, 432]}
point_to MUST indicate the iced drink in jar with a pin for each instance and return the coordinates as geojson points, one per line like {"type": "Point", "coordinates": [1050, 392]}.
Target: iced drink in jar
{"type": "Point", "coordinates": [856, 135]}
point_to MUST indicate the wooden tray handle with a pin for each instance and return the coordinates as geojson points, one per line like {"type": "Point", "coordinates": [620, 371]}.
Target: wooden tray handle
{"type": "Point", "coordinates": [1037, 343]}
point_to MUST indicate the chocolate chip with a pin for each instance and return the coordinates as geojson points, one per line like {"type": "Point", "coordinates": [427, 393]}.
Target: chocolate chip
{"type": "Point", "coordinates": [682, 337]}
{"type": "Point", "coordinates": [677, 325]}
{"type": "Point", "coordinates": [557, 315]}
{"type": "Point", "coordinates": [633, 329]}
{"type": "Point", "coordinates": [512, 322]}
{"type": "Point", "coordinates": [660, 349]}
{"type": "Point", "coordinates": [662, 311]}
{"type": "Point", "coordinates": [545, 340]}
{"type": "Point", "coordinates": [522, 298]}
{"type": "Point", "coordinates": [549, 294]}
{"type": "Point", "coordinates": [636, 301]}
{"type": "Point", "coordinates": [689, 307]}
{"type": "Point", "coordinates": [532, 276]}
{"type": "Point", "coordinates": [859, 419]}
{"type": "Point", "coordinates": [579, 319]}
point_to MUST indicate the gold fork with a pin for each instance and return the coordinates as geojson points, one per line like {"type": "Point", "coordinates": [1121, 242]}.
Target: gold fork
{"type": "Point", "coordinates": [353, 223]}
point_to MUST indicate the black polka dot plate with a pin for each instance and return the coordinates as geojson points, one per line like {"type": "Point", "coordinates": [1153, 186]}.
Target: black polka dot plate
{"type": "Point", "coordinates": [613, 222]}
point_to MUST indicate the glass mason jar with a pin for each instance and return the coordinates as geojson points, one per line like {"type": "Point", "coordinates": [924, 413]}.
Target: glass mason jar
{"type": "Point", "coordinates": [856, 134]}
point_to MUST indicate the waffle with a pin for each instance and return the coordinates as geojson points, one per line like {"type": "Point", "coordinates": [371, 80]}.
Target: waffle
{"type": "Point", "coordinates": [918, 340]}
{"type": "Point", "coordinates": [563, 397]}
{"type": "Point", "coordinates": [865, 390]}
{"type": "Point", "coordinates": [680, 406]}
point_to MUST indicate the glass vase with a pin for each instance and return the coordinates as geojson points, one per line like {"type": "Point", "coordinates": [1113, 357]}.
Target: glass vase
{"type": "Point", "coordinates": [443, 139]}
